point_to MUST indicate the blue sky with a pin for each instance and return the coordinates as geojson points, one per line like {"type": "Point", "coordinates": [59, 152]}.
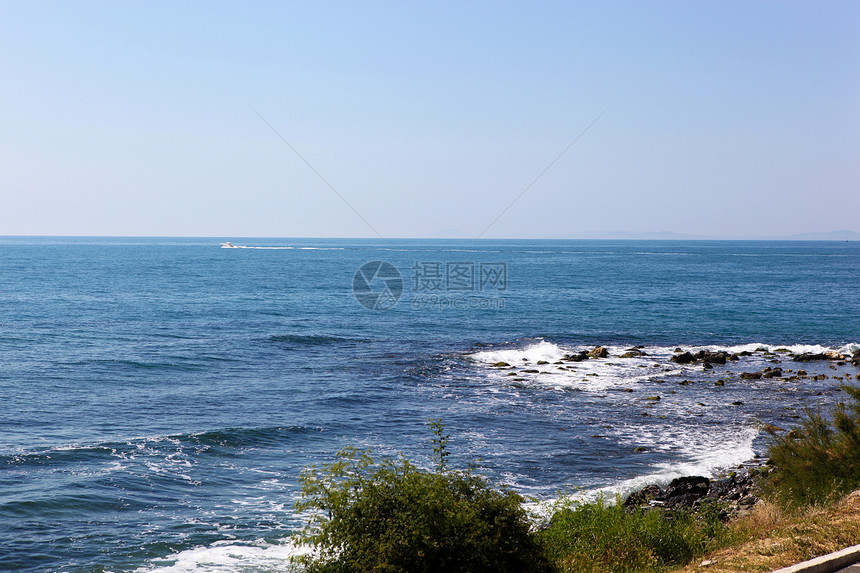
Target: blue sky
{"type": "Point", "coordinates": [726, 119]}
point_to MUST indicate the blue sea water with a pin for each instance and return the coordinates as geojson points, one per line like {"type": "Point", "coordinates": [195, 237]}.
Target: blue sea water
{"type": "Point", "coordinates": [160, 396]}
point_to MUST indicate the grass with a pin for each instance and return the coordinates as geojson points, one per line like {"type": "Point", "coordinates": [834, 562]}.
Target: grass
{"type": "Point", "coordinates": [771, 537]}
{"type": "Point", "coordinates": [609, 537]}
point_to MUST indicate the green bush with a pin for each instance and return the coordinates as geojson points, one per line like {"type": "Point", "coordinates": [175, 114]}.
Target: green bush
{"type": "Point", "coordinates": [389, 516]}
{"type": "Point", "coordinates": [599, 536]}
{"type": "Point", "coordinates": [820, 461]}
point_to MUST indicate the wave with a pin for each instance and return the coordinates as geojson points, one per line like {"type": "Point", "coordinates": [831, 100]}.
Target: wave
{"type": "Point", "coordinates": [532, 354]}
{"type": "Point", "coordinates": [311, 339]}
{"type": "Point", "coordinates": [229, 556]}
{"type": "Point", "coordinates": [135, 364]}
{"type": "Point", "coordinates": [721, 451]}
{"type": "Point", "coordinates": [283, 248]}
{"type": "Point", "coordinates": [220, 441]}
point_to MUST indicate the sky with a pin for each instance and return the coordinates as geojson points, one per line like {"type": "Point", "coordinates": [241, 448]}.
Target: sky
{"type": "Point", "coordinates": [724, 119]}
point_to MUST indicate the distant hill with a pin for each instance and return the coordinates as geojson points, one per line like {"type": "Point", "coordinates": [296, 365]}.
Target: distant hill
{"type": "Point", "coordinates": [831, 236]}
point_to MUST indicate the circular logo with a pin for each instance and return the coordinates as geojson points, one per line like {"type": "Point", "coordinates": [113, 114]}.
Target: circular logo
{"type": "Point", "coordinates": [377, 285]}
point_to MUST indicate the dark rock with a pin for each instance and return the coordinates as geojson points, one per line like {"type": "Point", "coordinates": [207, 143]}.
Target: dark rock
{"type": "Point", "coordinates": [745, 353]}
{"type": "Point", "coordinates": [683, 358]}
{"type": "Point", "coordinates": [734, 494]}
{"type": "Point", "coordinates": [855, 358]}
{"type": "Point", "coordinates": [751, 375]}
{"type": "Point", "coordinates": [576, 357]}
{"type": "Point", "coordinates": [643, 496]}
{"type": "Point", "coordinates": [801, 372]}
{"type": "Point", "coordinates": [599, 352]}
{"type": "Point", "coordinates": [501, 365]}
{"type": "Point", "coordinates": [809, 357]}
{"type": "Point", "coordinates": [685, 491]}
{"type": "Point", "coordinates": [715, 357]}
{"type": "Point", "coordinates": [772, 373]}
{"type": "Point", "coordinates": [708, 366]}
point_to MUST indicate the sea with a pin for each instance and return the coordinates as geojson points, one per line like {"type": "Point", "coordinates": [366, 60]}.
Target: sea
{"type": "Point", "coordinates": [161, 396]}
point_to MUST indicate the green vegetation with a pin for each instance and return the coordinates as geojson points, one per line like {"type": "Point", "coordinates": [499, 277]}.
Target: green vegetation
{"type": "Point", "coordinates": [609, 537]}
{"type": "Point", "coordinates": [820, 461]}
{"type": "Point", "coordinates": [390, 516]}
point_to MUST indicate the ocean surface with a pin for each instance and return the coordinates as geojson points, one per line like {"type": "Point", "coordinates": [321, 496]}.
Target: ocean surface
{"type": "Point", "coordinates": [161, 396]}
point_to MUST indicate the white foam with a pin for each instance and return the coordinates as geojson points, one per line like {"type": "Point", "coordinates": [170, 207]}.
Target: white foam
{"type": "Point", "coordinates": [231, 557]}
{"type": "Point", "coordinates": [795, 348]}
{"type": "Point", "coordinates": [533, 353]}
{"type": "Point", "coordinates": [284, 248]}
{"type": "Point", "coordinates": [719, 453]}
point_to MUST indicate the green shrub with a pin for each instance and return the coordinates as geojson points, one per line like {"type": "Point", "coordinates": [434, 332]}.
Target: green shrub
{"type": "Point", "coordinates": [820, 461]}
{"type": "Point", "coordinates": [604, 537]}
{"type": "Point", "coordinates": [389, 516]}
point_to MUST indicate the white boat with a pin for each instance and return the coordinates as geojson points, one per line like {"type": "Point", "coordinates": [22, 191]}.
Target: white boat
{"type": "Point", "coordinates": [228, 245]}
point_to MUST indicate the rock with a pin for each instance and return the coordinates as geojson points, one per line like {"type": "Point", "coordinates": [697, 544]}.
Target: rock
{"type": "Point", "coordinates": [833, 355]}
{"type": "Point", "coordinates": [801, 372]}
{"type": "Point", "coordinates": [685, 491]}
{"type": "Point", "coordinates": [809, 357]}
{"type": "Point", "coordinates": [738, 403]}
{"type": "Point", "coordinates": [542, 362]}
{"type": "Point", "coordinates": [576, 357]}
{"type": "Point", "coordinates": [720, 383]}
{"type": "Point", "coordinates": [855, 358]}
{"type": "Point", "coordinates": [751, 375]}
{"type": "Point", "coordinates": [501, 365]}
{"type": "Point", "coordinates": [708, 366]}
{"type": "Point", "coordinates": [683, 358]}
{"type": "Point", "coordinates": [706, 563]}
{"type": "Point", "coordinates": [630, 355]}
{"type": "Point", "coordinates": [713, 357]}
{"type": "Point", "coordinates": [773, 373]}
{"type": "Point", "coordinates": [598, 352]}
{"type": "Point", "coordinates": [643, 496]}
{"type": "Point", "coordinates": [745, 353]}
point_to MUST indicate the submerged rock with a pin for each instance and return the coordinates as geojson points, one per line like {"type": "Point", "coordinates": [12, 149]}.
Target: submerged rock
{"type": "Point", "coordinates": [809, 357]}
{"type": "Point", "coordinates": [576, 357]}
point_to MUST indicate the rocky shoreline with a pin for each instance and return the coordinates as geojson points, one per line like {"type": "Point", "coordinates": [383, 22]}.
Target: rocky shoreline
{"type": "Point", "coordinates": [734, 495]}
